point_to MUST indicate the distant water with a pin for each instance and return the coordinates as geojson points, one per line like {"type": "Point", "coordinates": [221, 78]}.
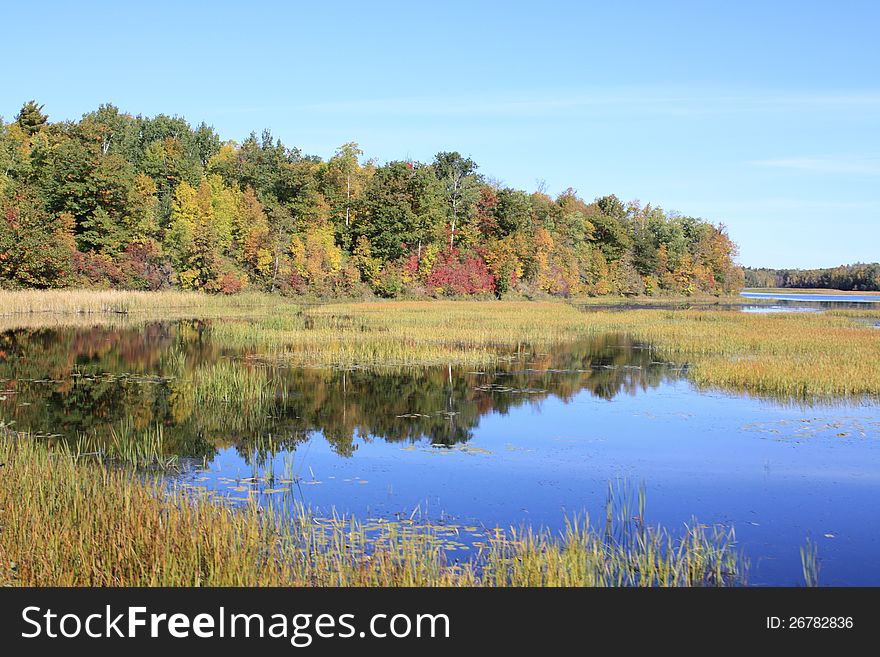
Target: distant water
{"type": "Point", "coordinates": [815, 298]}
{"type": "Point", "coordinates": [760, 310]}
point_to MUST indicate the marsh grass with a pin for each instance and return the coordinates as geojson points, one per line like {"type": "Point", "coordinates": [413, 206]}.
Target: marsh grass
{"type": "Point", "coordinates": [393, 334]}
{"type": "Point", "coordinates": [70, 522]}
{"type": "Point", "coordinates": [85, 302]}
{"type": "Point", "coordinates": [790, 355]}
{"type": "Point", "coordinates": [810, 563]}
{"type": "Point", "coordinates": [871, 311]}
{"type": "Point", "coordinates": [671, 302]}
{"type": "Point", "coordinates": [797, 355]}
{"type": "Point", "coordinates": [46, 308]}
{"type": "Point", "coordinates": [125, 446]}
{"type": "Point", "coordinates": [241, 387]}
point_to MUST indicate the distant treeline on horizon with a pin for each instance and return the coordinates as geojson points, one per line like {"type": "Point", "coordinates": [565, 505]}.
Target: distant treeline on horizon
{"type": "Point", "coordinates": [857, 277]}
{"type": "Point", "coordinates": [133, 202]}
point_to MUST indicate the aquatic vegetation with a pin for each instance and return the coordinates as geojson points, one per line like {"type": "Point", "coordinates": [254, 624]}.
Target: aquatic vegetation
{"type": "Point", "coordinates": [668, 301]}
{"type": "Point", "coordinates": [40, 308]}
{"type": "Point", "coordinates": [810, 563]}
{"type": "Point", "coordinates": [240, 388]}
{"type": "Point", "coordinates": [70, 522]}
{"type": "Point", "coordinates": [215, 383]}
{"type": "Point", "coordinates": [126, 445]}
{"type": "Point", "coordinates": [387, 334]}
{"type": "Point", "coordinates": [868, 312]}
{"type": "Point", "coordinates": [797, 355]}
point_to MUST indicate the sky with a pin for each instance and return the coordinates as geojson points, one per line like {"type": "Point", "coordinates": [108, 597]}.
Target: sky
{"type": "Point", "coordinates": [764, 116]}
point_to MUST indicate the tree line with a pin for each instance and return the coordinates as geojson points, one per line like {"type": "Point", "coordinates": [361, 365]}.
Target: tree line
{"type": "Point", "coordinates": [134, 202]}
{"type": "Point", "coordinates": [857, 277]}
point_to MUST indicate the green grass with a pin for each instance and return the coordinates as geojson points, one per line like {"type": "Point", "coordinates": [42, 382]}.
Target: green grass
{"type": "Point", "coordinates": [66, 521]}
{"type": "Point", "coordinates": [126, 445]}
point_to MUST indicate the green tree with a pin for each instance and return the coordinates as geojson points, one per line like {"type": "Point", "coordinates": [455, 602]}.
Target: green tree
{"type": "Point", "coordinates": [77, 178]}
{"type": "Point", "coordinates": [31, 118]}
{"type": "Point", "coordinates": [572, 219]}
{"type": "Point", "coordinates": [109, 127]}
{"type": "Point", "coordinates": [514, 211]}
{"type": "Point", "coordinates": [191, 239]}
{"type": "Point", "coordinates": [343, 182]}
{"type": "Point", "coordinates": [460, 185]}
{"type": "Point", "coordinates": [36, 247]}
{"type": "Point", "coordinates": [607, 217]}
{"type": "Point", "coordinates": [402, 205]}
{"type": "Point", "coordinates": [140, 219]}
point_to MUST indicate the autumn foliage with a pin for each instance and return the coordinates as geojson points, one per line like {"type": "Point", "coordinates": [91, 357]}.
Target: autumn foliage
{"type": "Point", "coordinates": [456, 274]}
{"type": "Point", "coordinates": [132, 202]}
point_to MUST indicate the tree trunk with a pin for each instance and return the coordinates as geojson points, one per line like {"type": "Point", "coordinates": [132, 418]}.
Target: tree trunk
{"type": "Point", "coordinates": [347, 197]}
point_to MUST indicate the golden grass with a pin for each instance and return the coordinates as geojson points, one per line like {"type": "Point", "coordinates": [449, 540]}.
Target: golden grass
{"type": "Point", "coordinates": [797, 355]}
{"type": "Point", "coordinates": [404, 333]}
{"type": "Point", "coordinates": [870, 311]}
{"type": "Point", "coordinates": [64, 522]}
{"type": "Point", "coordinates": [102, 301]}
{"type": "Point", "coordinates": [42, 308]}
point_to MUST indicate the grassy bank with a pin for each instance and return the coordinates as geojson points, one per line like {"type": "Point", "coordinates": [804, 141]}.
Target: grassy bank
{"type": "Point", "coordinates": [45, 308]}
{"type": "Point", "coordinates": [68, 521]}
{"type": "Point", "coordinates": [798, 355]}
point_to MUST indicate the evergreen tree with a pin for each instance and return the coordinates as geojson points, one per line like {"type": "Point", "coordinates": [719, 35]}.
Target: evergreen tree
{"type": "Point", "coordinates": [30, 117]}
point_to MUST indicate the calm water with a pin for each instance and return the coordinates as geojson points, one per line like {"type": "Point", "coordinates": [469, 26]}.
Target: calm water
{"type": "Point", "coordinates": [527, 443]}
{"type": "Point", "coordinates": [816, 300]}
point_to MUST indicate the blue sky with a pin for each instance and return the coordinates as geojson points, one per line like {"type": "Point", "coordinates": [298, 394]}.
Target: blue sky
{"type": "Point", "coordinates": [760, 115]}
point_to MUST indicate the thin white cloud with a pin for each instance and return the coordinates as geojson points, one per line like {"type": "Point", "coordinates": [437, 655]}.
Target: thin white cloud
{"type": "Point", "coordinates": [822, 165]}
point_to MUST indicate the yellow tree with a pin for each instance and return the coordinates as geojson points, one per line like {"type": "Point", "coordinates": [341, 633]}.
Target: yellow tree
{"type": "Point", "coordinates": [141, 221]}
{"type": "Point", "coordinates": [225, 204]}
{"type": "Point", "coordinates": [191, 238]}
{"type": "Point", "coordinates": [252, 238]}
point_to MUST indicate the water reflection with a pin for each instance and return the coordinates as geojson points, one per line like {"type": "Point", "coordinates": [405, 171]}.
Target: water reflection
{"type": "Point", "coordinates": [525, 443]}
{"type": "Point", "coordinates": [817, 300]}
{"type": "Point", "coordinates": [69, 382]}
{"type": "Point", "coordinates": [781, 308]}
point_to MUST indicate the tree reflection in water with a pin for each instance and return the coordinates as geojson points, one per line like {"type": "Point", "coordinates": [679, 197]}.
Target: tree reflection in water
{"type": "Point", "coordinates": [64, 383]}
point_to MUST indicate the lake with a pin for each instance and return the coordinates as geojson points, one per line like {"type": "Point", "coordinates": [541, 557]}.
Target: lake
{"type": "Point", "coordinates": [826, 300]}
{"type": "Point", "coordinates": [522, 444]}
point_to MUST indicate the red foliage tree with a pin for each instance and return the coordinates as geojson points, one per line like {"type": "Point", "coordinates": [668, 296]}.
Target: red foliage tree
{"type": "Point", "coordinates": [457, 274]}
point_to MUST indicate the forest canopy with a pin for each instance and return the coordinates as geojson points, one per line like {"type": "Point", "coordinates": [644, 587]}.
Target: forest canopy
{"type": "Point", "coordinates": [133, 202]}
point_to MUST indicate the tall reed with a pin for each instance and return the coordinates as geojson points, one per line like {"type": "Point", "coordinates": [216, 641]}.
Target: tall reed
{"type": "Point", "coordinates": [86, 523]}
